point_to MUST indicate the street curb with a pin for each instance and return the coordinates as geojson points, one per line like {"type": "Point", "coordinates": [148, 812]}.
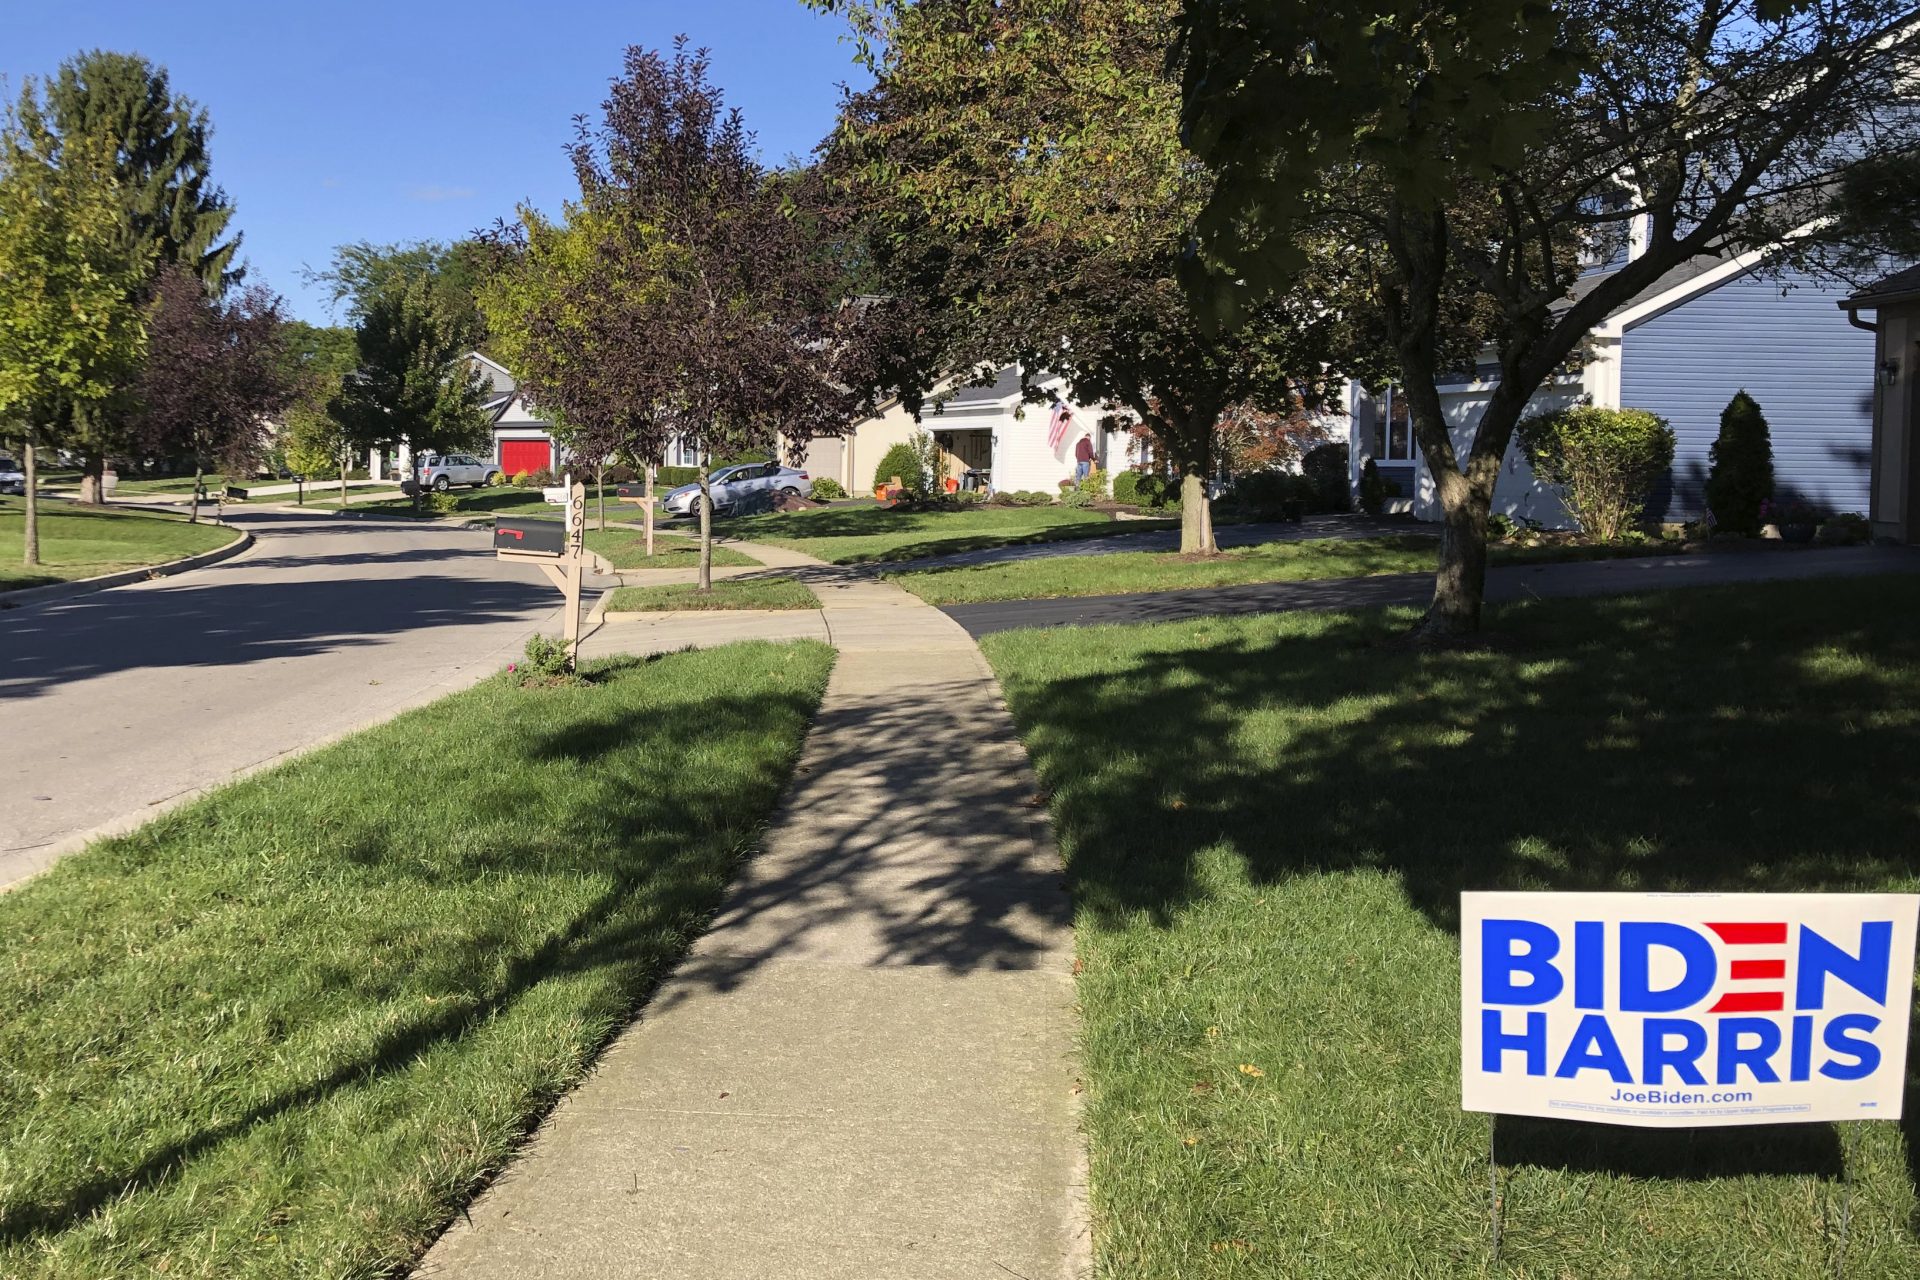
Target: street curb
{"type": "Point", "coordinates": [107, 581]}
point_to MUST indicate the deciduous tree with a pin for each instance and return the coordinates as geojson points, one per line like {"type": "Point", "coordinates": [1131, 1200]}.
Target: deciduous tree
{"type": "Point", "coordinates": [215, 371]}
{"type": "Point", "coordinates": [1492, 149]}
{"type": "Point", "coordinates": [171, 212]}
{"type": "Point", "coordinates": [686, 296]}
{"type": "Point", "coordinates": [1020, 167]}
{"type": "Point", "coordinates": [70, 334]}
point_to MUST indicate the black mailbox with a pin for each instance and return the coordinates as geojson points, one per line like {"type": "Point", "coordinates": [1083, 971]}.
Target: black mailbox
{"type": "Point", "coordinates": [630, 491]}
{"type": "Point", "coordinates": [536, 537]}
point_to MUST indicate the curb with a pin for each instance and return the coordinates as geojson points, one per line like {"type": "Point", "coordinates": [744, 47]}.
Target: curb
{"type": "Point", "coordinates": [107, 581]}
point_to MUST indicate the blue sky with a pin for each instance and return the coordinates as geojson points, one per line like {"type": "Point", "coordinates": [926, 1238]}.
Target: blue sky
{"type": "Point", "coordinates": [391, 120]}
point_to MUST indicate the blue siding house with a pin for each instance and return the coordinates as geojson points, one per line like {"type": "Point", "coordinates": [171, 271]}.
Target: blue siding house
{"type": "Point", "coordinates": [1782, 340]}
{"type": "Point", "coordinates": [1698, 335]}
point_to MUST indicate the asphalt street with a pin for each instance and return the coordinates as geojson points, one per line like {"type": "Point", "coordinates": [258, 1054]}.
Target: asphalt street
{"type": "Point", "coordinates": [115, 704]}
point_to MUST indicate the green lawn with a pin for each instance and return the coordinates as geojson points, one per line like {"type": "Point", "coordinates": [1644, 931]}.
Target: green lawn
{"type": "Point", "coordinates": [288, 1029]}
{"type": "Point", "coordinates": [859, 535]}
{"type": "Point", "coordinates": [728, 593]}
{"type": "Point", "coordinates": [1133, 571]}
{"type": "Point", "coordinates": [1267, 822]}
{"type": "Point", "coordinates": [84, 542]}
{"type": "Point", "coordinates": [626, 547]}
{"type": "Point", "coordinates": [473, 502]}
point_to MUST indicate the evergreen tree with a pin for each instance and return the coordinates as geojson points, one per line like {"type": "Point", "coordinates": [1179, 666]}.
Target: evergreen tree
{"type": "Point", "coordinates": [171, 213]}
{"type": "Point", "coordinates": [1740, 475]}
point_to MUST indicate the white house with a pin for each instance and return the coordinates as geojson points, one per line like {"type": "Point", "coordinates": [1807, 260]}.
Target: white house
{"type": "Point", "coordinates": [989, 436]}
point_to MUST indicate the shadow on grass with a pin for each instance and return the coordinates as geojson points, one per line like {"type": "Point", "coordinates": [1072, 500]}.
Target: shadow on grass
{"type": "Point", "coordinates": [550, 801]}
{"type": "Point", "coordinates": [1755, 739]}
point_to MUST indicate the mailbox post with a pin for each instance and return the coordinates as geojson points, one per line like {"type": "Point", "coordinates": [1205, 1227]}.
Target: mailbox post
{"type": "Point", "coordinates": [560, 551]}
{"type": "Point", "coordinates": [643, 497]}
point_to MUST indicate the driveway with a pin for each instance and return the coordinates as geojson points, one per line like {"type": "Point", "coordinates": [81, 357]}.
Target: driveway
{"type": "Point", "coordinates": [1518, 582]}
{"type": "Point", "coordinates": [118, 703]}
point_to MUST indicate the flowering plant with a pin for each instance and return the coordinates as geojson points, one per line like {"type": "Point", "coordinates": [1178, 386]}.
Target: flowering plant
{"type": "Point", "coordinates": [1792, 511]}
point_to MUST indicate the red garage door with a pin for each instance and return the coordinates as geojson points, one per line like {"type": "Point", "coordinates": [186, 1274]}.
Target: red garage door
{"type": "Point", "coordinates": [524, 455]}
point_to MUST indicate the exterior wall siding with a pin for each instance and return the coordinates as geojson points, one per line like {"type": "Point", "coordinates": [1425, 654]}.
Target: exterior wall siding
{"type": "Point", "coordinates": [1811, 372]}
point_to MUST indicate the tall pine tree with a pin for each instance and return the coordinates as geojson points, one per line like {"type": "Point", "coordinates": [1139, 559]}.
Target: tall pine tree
{"type": "Point", "coordinates": [172, 212]}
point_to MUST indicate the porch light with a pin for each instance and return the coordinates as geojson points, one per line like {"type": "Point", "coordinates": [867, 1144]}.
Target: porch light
{"type": "Point", "coordinates": [1890, 371]}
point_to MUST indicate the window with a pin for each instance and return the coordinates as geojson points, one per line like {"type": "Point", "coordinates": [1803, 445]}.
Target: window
{"type": "Point", "coordinates": [1392, 437]}
{"type": "Point", "coordinates": [683, 453]}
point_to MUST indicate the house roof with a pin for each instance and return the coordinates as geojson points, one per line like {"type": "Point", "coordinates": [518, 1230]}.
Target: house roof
{"type": "Point", "coordinates": [1669, 279]}
{"type": "Point", "coordinates": [1005, 385]}
{"type": "Point", "coordinates": [1901, 286]}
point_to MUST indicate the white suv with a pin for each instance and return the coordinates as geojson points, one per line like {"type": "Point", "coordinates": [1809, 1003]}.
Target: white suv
{"type": "Point", "coordinates": [442, 471]}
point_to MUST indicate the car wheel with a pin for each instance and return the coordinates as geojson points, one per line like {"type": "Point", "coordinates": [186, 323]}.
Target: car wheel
{"type": "Point", "coordinates": [441, 484]}
{"type": "Point", "coordinates": [789, 490]}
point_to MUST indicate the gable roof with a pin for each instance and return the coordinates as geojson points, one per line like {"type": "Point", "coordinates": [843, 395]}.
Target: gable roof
{"type": "Point", "coordinates": [1901, 286]}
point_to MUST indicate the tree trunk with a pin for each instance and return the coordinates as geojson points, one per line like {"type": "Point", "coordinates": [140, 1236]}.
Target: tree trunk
{"type": "Point", "coordinates": [600, 493]}
{"type": "Point", "coordinates": [93, 482]}
{"type": "Point", "coordinates": [1460, 582]}
{"type": "Point", "coordinates": [31, 469]}
{"type": "Point", "coordinates": [1196, 516]}
{"type": "Point", "coordinates": [706, 531]}
{"type": "Point", "coordinates": [346, 456]}
{"type": "Point", "coordinates": [193, 508]}
{"type": "Point", "coordinates": [647, 507]}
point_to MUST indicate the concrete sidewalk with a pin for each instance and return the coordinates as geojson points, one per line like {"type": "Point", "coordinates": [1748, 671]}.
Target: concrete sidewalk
{"type": "Point", "coordinates": [865, 1068]}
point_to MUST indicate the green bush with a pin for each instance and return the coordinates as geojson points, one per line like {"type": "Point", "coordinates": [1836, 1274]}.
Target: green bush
{"type": "Point", "coordinates": [1093, 485]}
{"type": "Point", "coordinates": [1374, 491]}
{"type": "Point", "coordinates": [1126, 487]}
{"type": "Point", "coordinates": [1740, 467]}
{"type": "Point", "coordinates": [1325, 469]}
{"type": "Point", "coordinates": [545, 662]}
{"type": "Point", "coordinates": [1501, 527]}
{"type": "Point", "coordinates": [1078, 497]}
{"type": "Point", "coordinates": [1847, 529]}
{"type": "Point", "coordinates": [665, 478]}
{"type": "Point", "coordinates": [619, 473]}
{"type": "Point", "coordinates": [522, 479]}
{"type": "Point", "coordinates": [444, 504]}
{"type": "Point", "coordinates": [902, 461]}
{"type": "Point", "coordinates": [1271, 495]}
{"type": "Point", "coordinates": [969, 497]}
{"type": "Point", "coordinates": [1603, 462]}
{"type": "Point", "coordinates": [1156, 491]}
{"type": "Point", "coordinates": [826, 490]}
{"type": "Point", "coordinates": [1034, 498]}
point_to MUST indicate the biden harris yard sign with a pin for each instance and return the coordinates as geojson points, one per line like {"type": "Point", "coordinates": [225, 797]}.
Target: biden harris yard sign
{"type": "Point", "coordinates": [1680, 1010]}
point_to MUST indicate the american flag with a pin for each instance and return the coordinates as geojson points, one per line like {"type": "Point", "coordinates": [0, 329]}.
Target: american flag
{"type": "Point", "coordinates": [1057, 425]}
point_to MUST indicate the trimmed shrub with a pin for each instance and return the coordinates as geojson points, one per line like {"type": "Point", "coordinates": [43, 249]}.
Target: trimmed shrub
{"type": "Point", "coordinates": [1126, 487]}
{"type": "Point", "coordinates": [902, 461]}
{"type": "Point", "coordinates": [522, 479]}
{"type": "Point", "coordinates": [1603, 462]}
{"type": "Point", "coordinates": [1373, 490]}
{"type": "Point", "coordinates": [968, 497]}
{"type": "Point", "coordinates": [1325, 469]}
{"type": "Point", "coordinates": [619, 474]}
{"type": "Point", "coordinates": [1093, 485]}
{"type": "Point", "coordinates": [1033, 498]}
{"type": "Point", "coordinates": [1156, 491]}
{"type": "Point", "coordinates": [1740, 470]}
{"type": "Point", "coordinates": [1847, 529]}
{"type": "Point", "coordinates": [543, 478]}
{"type": "Point", "coordinates": [1271, 495]}
{"type": "Point", "coordinates": [442, 504]}
{"type": "Point", "coordinates": [826, 489]}
{"type": "Point", "coordinates": [673, 477]}
{"type": "Point", "coordinates": [1077, 497]}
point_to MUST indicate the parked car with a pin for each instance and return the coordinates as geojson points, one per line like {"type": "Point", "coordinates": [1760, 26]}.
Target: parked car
{"type": "Point", "coordinates": [731, 484]}
{"type": "Point", "coordinates": [12, 479]}
{"type": "Point", "coordinates": [442, 471]}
